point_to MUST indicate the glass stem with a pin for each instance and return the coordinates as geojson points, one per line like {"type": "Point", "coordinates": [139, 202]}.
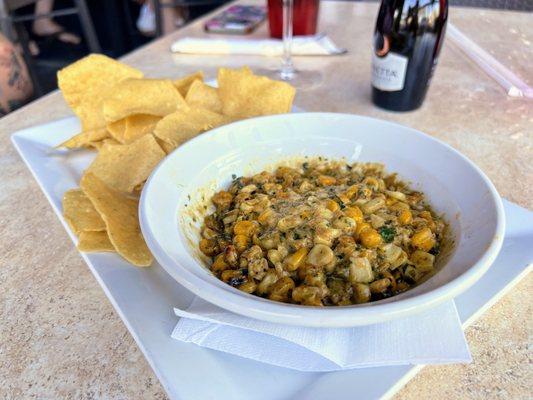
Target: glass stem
{"type": "Point", "coordinates": [287, 68]}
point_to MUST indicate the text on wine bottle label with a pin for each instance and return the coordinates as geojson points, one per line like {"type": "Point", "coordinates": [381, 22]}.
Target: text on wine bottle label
{"type": "Point", "coordinates": [388, 73]}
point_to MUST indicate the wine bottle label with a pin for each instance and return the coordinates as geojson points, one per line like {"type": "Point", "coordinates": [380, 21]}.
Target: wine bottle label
{"type": "Point", "coordinates": [388, 72]}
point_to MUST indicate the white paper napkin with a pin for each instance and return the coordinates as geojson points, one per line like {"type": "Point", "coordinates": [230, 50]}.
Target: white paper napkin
{"type": "Point", "coordinates": [432, 337]}
{"type": "Point", "coordinates": [317, 45]}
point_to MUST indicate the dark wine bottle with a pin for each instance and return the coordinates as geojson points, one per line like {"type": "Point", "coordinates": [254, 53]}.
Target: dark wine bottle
{"type": "Point", "coordinates": [407, 41]}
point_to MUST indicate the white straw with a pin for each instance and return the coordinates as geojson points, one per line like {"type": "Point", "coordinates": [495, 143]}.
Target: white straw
{"type": "Point", "coordinates": [512, 83]}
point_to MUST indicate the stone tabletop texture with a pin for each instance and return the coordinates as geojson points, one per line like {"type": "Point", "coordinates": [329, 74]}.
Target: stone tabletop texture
{"type": "Point", "coordinates": [61, 338]}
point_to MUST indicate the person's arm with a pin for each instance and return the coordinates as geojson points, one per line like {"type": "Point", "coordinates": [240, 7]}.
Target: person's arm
{"type": "Point", "coordinates": [15, 85]}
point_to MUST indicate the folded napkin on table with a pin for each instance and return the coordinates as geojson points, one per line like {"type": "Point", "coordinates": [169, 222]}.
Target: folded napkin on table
{"type": "Point", "coordinates": [317, 45]}
{"type": "Point", "coordinates": [432, 337]}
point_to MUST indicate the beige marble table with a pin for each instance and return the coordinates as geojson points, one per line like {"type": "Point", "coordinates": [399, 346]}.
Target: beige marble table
{"type": "Point", "coordinates": [59, 335]}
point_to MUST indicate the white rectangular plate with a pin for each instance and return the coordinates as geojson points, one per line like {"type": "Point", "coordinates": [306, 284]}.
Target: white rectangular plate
{"type": "Point", "coordinates": [184, 369]}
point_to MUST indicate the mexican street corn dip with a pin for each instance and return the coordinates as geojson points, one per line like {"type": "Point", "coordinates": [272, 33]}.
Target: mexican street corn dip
{"type": "Point", "coordinates": [323, 233]}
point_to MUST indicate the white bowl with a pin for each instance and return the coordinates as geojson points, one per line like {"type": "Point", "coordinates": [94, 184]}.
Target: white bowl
{"type": "Point", "coordinates": [170, 217]}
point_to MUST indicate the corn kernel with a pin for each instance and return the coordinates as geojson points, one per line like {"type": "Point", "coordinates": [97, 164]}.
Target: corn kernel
{"type": "Point", "coordinates": [402, 287]}
{"type": "Point", "coordinates": [267, 217]}
{"type": "Point", "coordinates": [245, 228]}
{"type": "Point", "coordinates": [372, 182]}
{"type": "Point", "coordinates": [396, 195]}
{"type": "Point", "coordinates": [405, 217]}
{"type": "Point", "coordinates": [373, 205]}
{"type": "Point", "coordinates": [248, 286]}
{"type": "Point", "coordinates": [360, 270]}
{"type": "Point", "coordinates": [241, 242]}
{"type": "Point", "coordinates": [355, 213]}
{"type": "Point", "coordinates": [222, 199]}
{"type": "Point", "coordinates": [229, 274]}
{"type": "Point", "coordinates": [326, 180]}
{"type": "Point", "coordinates": [363, 226]}
{"type": "Point", "coordinates": [399, 206]}
{"type": "Point", "coordinates": [295, 260]}
{"type": "Point", "coordinates": [263, 217]}
{"type": "Point", "coordinates": [320, 255]}
{"type": "Point", "coordinates": [219, 264]}
{"type": "Point", "coordinates": [423, 239]}
{"type": "Point", "coordinates": [380, 285]}
{"type": "Point", "coordinates": [289, 222]}
{"type": "Point", "coordinates": [370, 238]}
{"type": "Point", "coordinates": [345, 199]}
{"type": "Point", "coordinates": [427, 216]}
{"type": "Point", "coordinates": [351, 191]}
{"type": "Point", "coordinates": [305, 214]}
{"type": "Point", "coordinates": [208, 246]}
{"type": "Point", "coordinates": [364, 193]}
{"type": "Point", "coordinates": [308, 295]}
{"type": "Point", "coordinates": [390, 201]}
{"type": "Point", "coordinates": [230, 255]}
{"type": "Point", "coordinates": [280, 290]}
{"type": "Point", "coordinates": [361, 293]}
{"type": "Point", "coordinates": [332, 205]}
{"type": "Point", "coordinates": [209, 233]}
{"type": "Point", "coordinates": [423, 261]}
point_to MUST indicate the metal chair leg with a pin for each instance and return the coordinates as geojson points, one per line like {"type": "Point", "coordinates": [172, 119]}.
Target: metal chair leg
{"type": "Point", "coordinates": [87, 26]}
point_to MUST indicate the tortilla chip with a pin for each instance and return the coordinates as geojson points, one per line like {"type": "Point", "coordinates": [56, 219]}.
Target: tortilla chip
{"type": "Point", "coordinates": [94, 242]}
{"type": "Point", "coordinates": [129, 129]}
{"type": "Point", "coordinates": [84, 139]}
{"type": "Point", "coordinates": [124, 166]}
{"type": "Point", "coordinates": [183, 84]}
{"type": "Point", "coordinates": [138, 126]}
{"type": "Point", "coordinates": [184, 124]}
{"type": "Point", "coordinates": [90, 73]}
{"type": "Point", "coordinates": [87, 82]}
{"type": "Point", "coordinates": [201, 95]}
{"type": "Point", "coordinates": [101, 143]}
{"type": "Point", "coordinates": [117, 130]}
{"type": "Point", "coordinates": [120, 215]}
{"type": "Point", "coordinates": [80, 213]}
{"type": "Point", "coordinates": [137, 190]}
{"type": "Point", "coordinates": [156, 97]}
{"type": "Point", "coordinates": [90, 112]}
{"type": "Point", "coordinates": [245, 95]}
{"type": "Point", "coordinates": [167, 147]}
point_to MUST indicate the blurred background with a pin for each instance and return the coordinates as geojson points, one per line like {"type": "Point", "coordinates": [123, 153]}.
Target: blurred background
{"type": "Point", "coordinates": [39, 37]}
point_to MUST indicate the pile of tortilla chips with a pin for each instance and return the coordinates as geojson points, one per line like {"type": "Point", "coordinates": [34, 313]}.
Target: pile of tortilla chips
{"type": "Point", "coordinates": [134, 122]}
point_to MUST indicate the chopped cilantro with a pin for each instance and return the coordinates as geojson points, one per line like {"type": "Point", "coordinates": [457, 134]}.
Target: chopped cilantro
{"type": "Point", "coordinates": [387, 233]}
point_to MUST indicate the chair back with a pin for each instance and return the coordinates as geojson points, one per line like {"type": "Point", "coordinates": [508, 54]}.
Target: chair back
{"type": "Point", "coordinates": [12, 5]}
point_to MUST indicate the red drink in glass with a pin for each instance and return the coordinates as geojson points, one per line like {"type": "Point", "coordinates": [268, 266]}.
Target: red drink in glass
{"type": "Point", "coordinates": [305, 17]}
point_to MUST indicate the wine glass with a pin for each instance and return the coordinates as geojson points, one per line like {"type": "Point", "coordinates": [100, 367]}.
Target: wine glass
{"type": "Point", "coordinates": [287, 71]}
{"type": "Point", "coordinates": [301, 79]}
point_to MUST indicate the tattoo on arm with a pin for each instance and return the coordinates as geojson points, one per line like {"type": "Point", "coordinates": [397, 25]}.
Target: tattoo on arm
{"type": "Point", "coordinates": [15, 70]}
{"type": "Point", "coordinates": [14, 76]}
{"type": "Point", "coordinates": [17, 78]}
